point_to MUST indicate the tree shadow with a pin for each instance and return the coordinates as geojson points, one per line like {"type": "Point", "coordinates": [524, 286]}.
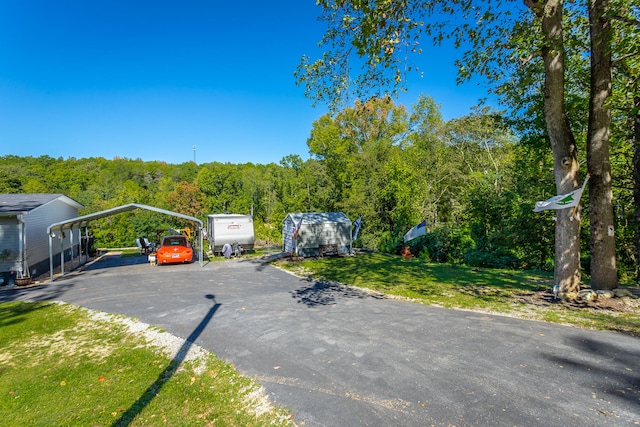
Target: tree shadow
{"type": "Point", "coordinates": [16, 313]}
{"type": "Point", "coordinates": [36, 293]}
{"type": "Point", "coordinates": [264, 261]}
{"type": "Point", "coordinates": [322, 293]}
{"type": "Point", "coordinates": [115, 260]}
{"type": "Point", "coordinates": [129, 415]}
{"type": "Point", "coordinates": [618, 367]}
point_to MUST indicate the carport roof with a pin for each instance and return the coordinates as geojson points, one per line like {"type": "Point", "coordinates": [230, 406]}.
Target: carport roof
{"type": "Point", "coordinates": [82, 221]}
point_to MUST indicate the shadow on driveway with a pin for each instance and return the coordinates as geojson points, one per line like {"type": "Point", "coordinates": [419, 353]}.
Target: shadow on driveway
{"type": "Point", "coordinates": [322, 292]}
{"type": "Point", "coordinates": [607, 376]}
{"type": "Point", "coordinates": [138, 406]}
{"type": "Point", "coordinates": [37, 293]}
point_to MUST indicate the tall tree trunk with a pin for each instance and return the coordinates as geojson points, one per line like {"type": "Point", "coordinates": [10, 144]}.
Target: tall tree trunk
{"type": "Point", "coordinates": [636, 177]}
{"type": "Point", "coordinates": [565, 156]}
{"type": "Point", "coordinates": [603, 250]}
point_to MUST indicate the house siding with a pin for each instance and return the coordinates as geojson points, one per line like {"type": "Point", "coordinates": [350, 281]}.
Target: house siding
{"type": "Point", "coordinates": [9, 237]}
{"type": "Point", "coordinates": [37, 218]}
{"type": "Point", "coordinates": [36, 223]}
{"type": "Point", "coordinates": [287, 232]}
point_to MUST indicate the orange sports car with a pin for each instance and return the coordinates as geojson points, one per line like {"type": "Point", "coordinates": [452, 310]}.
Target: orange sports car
{"type": "Point", "coordinates": [174, 249]}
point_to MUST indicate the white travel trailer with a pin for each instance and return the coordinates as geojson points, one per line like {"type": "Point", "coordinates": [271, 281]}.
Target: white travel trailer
{"type": "Point", "coordinates": [230, 228]}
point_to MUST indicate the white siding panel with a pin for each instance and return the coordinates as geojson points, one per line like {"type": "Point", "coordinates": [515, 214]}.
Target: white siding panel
{"type": "Point", "coordinates": [37, 222]}
{"type": "Point", "coordinates": [9, 240]}
{"type": "Point", "coordinates": [287, 234]}
{"type": "Point", "coordinates": [318, 229]}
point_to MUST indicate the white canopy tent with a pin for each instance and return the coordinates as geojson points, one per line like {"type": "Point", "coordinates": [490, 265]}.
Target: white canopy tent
{"type": "Point", "coordinates": [83, 222]}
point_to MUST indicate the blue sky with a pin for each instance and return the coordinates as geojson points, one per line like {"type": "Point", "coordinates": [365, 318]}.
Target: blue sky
{"type": "Point", "coordinates": [151, 79]}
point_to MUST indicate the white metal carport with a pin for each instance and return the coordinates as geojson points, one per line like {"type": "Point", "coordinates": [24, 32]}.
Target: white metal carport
{"type": "Point", "coordinates": [83, 221]}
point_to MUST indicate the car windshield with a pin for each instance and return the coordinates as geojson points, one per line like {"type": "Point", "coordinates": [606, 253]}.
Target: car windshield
{"type": "Point", "coordinates": [174, 241]}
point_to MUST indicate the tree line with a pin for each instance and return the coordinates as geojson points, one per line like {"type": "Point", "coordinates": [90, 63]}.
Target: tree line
{"type": "Point", "coordinates": [474, 179]}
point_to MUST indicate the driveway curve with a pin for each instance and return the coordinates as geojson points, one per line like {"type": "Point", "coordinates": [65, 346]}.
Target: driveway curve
{"type": "Point", "coordinates": [339, 356]}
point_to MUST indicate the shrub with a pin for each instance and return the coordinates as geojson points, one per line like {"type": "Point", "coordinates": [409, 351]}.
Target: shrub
{"type": "Point", "coordinates": [444, 244]}
{"type": "Point", "coordinates": [501, 258]}
{"type": "Point", "coordinates": [390, 244]}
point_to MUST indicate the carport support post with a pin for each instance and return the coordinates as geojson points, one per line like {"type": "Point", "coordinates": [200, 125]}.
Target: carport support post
{"type": "Point", "coordinates": [86, 244]}
{"type": "Point", "coordinates": [50, 257]}
{"type": "Point", "coordinates": [71, 255]}
{"type": "Point", "coordinates": [201, 255]}
{"type": "Point", "coordinates": [62, 251]}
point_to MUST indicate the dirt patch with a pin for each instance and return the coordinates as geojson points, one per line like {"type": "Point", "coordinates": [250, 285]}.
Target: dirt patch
{"type": "Point", "coordinates": [621, 304]}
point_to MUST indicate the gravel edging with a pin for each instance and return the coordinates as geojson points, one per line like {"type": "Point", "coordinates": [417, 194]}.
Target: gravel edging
{"type": "Point", "coordinates": [172, 346]}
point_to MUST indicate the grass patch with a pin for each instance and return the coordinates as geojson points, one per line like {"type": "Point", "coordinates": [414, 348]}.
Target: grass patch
{"type": "Point", "coordinates": [130, 253]}
{"type": "Point", "coordinates": [247, 254]}
{"type": "Point", "coordinates": [61, 366]}
{"type": "Point", "coordinates": [451, 286]}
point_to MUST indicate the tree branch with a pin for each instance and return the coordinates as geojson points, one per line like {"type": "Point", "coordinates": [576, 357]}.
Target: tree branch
{"type": "Point", "coordinates": [626, 20]}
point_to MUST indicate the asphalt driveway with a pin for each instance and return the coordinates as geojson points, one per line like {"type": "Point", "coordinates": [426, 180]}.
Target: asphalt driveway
{"type": "Point", "coordinates": [339, 356]}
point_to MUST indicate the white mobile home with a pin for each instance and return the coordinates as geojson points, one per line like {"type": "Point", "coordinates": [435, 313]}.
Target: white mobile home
{"type": "Point", "coordinates": [24, 243]}
{"type": "Point", "coordinates": [230, 228]}
{"type": "Point", "coordinates": [318, 234]}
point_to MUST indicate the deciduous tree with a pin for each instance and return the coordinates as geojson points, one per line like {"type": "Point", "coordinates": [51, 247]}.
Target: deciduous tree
{"type": "Point", "coordinates": [369, 48]}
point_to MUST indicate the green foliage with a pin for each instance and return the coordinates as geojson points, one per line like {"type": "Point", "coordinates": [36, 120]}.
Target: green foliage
{"type": "Point", "coordinates": [444, 245]}
{"type": "Point", "coordinates": [498, 258]}
{"type": "Point", "coordinates": [267, 234]}
{"type": "Point", "coordinates": [389, 243]}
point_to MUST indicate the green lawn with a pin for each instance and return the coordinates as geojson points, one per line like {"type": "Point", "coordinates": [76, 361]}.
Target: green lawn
{"type": "Point", "coordinates": [518, 293]}
{"type": "Point", "coordinates": [59, 365]}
